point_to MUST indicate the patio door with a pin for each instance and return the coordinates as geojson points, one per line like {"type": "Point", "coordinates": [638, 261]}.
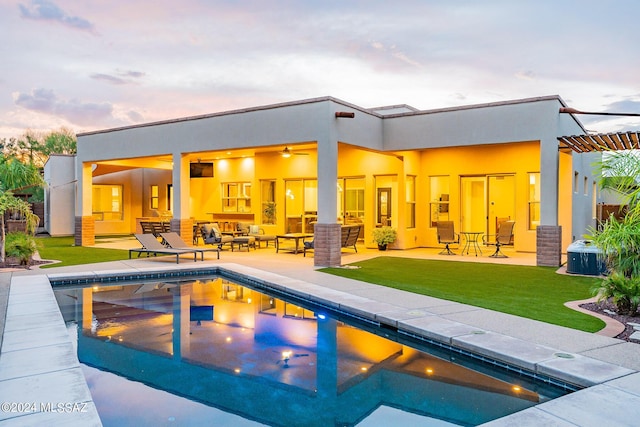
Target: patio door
{"type": "Point", "coordinates": [484, 199]}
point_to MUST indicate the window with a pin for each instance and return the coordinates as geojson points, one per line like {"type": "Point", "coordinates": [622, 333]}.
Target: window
{"type": "Point", "coordinates": [236, 197]}
{"type": "Point", "coordinates": [301, 205]}
{"type": "Point", "coordinates": [576, 182]}
{"type": "Point", "coordinates": [268, 197]}
{"type": "Point", "coordinates": [439, 190]}
{"type": "Point", "coordinates": [153, 203]}
{"type": "Point", "coordinates": [534, 200]}
{"type": "Point", "coordinates": [107, 202]}
{"type": "Point", "coordinates": [351, 200]}
{"type": "Point", "coordinates": [410, 192]}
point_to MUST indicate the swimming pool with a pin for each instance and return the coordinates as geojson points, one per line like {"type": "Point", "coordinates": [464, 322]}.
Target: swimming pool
{"type": "Point", "coordinates": [277, 359]}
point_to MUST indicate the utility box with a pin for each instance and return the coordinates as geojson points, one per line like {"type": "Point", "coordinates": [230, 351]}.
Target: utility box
{"type": "Point", "coordinates": [583, 257]}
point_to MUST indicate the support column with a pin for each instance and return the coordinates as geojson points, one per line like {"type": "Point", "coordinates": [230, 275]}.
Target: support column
{"type": "Point", "coordinates": [184, 227]}
{"type": "Point", "coordinates": [85, 231]}
{"type": "Point", "coordinates": [549, 245]}
{"type": "Point", "coordinates": [327, 249]}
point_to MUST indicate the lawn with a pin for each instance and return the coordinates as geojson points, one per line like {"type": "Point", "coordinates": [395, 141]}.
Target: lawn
{"type": "Point", "coordinates": [63, 249]}
{"type": "Point", "coordinates": [532, 292]}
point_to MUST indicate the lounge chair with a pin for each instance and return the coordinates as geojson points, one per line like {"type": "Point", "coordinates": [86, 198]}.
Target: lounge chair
{"type": "Point", "coordinates": [447, 236]}
{"type": "Point", "coordinates": [211, 235]}
{"type": "Point", "coordinates": [151, 246]}
{"type": "Point", "coordinates": [174, 241]}
{"type": "Point", "coordinates": [504, 236]}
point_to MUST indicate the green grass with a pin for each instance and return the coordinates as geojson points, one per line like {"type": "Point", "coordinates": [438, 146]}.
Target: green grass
{"type": "Point", "coordinates": [532, 292]}
{"type": "Point", "coordinates": [63, 249]}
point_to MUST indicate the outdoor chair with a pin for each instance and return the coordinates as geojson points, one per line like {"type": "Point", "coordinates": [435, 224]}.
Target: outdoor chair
{"type": "Point", "coordinates": [174, 241]}
{"type": "Point", "coordinates": [447, 236]}
{"type": "Point", "coordinates": [503, 236]}
{"type": "Point", "coordinates": [211, 235]}
{"type": "Point", "coordinates": [151, 246]}
{"type": "Point", "coordinates": [257, 232]}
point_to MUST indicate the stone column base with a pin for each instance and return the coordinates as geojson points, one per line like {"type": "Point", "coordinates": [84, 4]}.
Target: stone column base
{"type": "Point", "coordinates": [326, 245]}
{"type": "Point", "coordinates": [85, 231]}
{"type": "Point", "coordinates": [549, 245]}
{"type": "Point", "coordinates": [184, 227]}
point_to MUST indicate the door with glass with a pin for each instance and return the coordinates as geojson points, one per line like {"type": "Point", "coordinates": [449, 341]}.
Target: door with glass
{"type": "Point", "coordinates": [485, 200]}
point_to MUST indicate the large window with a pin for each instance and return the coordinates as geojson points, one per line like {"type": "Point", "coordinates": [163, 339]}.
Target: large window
{"type": "Point", "coordinates": [410, 195]}
{"type": "Point", "coordinates": [268, 197]}
{"type": "Point", "coordinates": [236, 197]}
{"type": "Point", "coordinates": [153, 202]}
{"type": "Point", "coordinates": [534, 200]}
{"type": "Point", "coordinates": [107, 202]}
{"type": "Point", "coordinates": [439, 206]}
{"type": "Point", "coordinates": [301, 205]}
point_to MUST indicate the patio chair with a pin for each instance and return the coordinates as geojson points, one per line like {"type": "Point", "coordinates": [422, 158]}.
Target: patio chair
{"type": "Point", "coordinates": [447, 236]}
{"type": "Point", "coordinates": [503, 236]}
{"type": "Point", "coordinates": [211, 235]}
{"type": "Point", "coordinates": [146, 226]}
{"type": "Point", "coordinates": [257, 232]}
{"type": "Point", "coordinates": [174, 241]}
{"type": "Point", "coordinates": [151, 246]}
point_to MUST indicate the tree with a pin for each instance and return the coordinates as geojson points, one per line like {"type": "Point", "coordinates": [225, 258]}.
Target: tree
{"type": "Point", "coordinates": [34, 148]}
{"type": "Point", "coordinates": [16, 176]}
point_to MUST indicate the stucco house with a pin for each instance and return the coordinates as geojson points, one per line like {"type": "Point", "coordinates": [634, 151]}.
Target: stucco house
{"type": "Point", "coordinates": [314, 164]}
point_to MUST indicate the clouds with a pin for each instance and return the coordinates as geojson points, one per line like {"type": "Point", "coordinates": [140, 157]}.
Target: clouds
{"type": "Point", "coordinates": [120, 77]}
{"type": "Point", "coordinates": [153, 61]}
{"type": "Point", "coordinates": [45, 101]}
{"type": "Point", "coordinates": [43, 10]}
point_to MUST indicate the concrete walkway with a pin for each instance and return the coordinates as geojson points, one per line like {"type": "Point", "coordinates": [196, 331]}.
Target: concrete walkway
{"type": "Point", "coordinates": [607, 366]}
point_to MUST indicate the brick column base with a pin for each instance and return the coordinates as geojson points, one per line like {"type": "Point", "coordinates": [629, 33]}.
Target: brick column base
{"type": "Point", "coordinates": [85, 231]}
{"type": "Point", "coordinates": [184, 227]}
{"type": "Point", "coordinates": [326, 245]}
{"type": "Point", "coordinates": [549, 245]}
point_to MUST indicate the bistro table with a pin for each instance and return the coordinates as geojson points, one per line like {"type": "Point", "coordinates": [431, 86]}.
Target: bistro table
{"type": "Point", "coordinates": [471, 241]}
{"type": "Point", "coordinates": [296, 237]}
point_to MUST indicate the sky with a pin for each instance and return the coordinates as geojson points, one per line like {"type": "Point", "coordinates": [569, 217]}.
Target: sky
{"type": "Point", "coordinates": [98, 64]}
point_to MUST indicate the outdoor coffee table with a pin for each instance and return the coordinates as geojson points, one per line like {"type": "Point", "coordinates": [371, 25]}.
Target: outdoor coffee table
{"type": "Point", "coordinates": [296, 237]}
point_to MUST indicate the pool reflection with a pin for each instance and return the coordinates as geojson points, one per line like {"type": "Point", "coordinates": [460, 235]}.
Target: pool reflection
{"type": "Point", "coordinates": [249, 353]}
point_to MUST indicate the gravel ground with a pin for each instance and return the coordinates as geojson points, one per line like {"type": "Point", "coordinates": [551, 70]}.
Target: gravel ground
{"type": "Point", "coordinates": [607, 308]}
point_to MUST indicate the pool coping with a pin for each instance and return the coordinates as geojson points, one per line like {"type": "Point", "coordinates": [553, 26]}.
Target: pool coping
{"type": "Point", "coordinates": [422, 322]}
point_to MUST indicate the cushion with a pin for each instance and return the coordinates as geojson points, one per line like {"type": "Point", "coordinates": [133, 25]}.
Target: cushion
{"type": "Point", "coordinates": [254, 229]}
{"type": "Point", "coordinates": [215, 231]}
{"type": "Point", "coordinates": [207, 230]}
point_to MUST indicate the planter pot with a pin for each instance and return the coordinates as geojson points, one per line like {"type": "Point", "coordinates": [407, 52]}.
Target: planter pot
{"type": "Point", "coordinates": [382, 247]}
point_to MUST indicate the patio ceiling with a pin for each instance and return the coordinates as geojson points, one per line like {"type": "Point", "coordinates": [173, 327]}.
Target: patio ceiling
{"type": "Point", "coordinates": [600, 142]}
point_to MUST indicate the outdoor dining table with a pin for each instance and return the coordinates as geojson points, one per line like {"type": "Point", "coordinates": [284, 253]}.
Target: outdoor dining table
{"type": "Point", "coordinates": [471, 241]}
{"type": "Point", "coordinates": [296, 237]}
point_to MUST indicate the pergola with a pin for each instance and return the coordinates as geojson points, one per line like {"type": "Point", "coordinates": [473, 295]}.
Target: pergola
{"type": "Point", "coordinates": [601, 142]}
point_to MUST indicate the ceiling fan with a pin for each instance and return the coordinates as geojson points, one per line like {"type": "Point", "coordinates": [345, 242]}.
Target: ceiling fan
{"type": "Point", "coordinates": [286, 153]}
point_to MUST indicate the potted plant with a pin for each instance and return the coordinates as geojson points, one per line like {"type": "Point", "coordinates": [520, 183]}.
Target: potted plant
{"type": "Point", "coordinates": [383, 236]}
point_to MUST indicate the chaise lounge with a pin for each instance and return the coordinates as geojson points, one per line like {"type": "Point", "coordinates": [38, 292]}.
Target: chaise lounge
{"type": "Point", "coordinates": [151, 246]}
{"type": "Point", "coordinates": [174, 241]}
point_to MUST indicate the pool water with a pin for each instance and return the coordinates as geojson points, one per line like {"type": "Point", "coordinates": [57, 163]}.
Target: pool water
{"type": "Point", "coordinates": [231, 353]}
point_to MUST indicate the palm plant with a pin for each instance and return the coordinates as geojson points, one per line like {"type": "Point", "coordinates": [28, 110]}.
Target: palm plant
{"type": "Point", "coordinates": [619, 240]}
{"type": "Point", "coordinates": [15, 176]}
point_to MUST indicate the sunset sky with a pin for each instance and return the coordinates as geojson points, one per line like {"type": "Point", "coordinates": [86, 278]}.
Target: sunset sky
{"type": "Point", "coordinates": [97, 64]}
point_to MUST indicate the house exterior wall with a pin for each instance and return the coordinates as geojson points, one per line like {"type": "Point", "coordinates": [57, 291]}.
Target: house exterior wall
{"type": "Point", "coordinates": [60, 193]}
{"type": "Point", "coordinates": [514, 137]}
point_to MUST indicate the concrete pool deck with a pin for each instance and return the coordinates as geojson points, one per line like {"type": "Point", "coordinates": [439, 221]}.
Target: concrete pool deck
{"type": "Point", "coordinates": [609, 367]}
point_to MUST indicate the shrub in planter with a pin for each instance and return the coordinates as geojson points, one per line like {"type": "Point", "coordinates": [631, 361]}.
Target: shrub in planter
{"type": "Point", "coordinates": [623, 291]}
{"type": "Point", "coordinates": [384, 236]}
{"type": "Point", "coordinates": [22, 246]}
